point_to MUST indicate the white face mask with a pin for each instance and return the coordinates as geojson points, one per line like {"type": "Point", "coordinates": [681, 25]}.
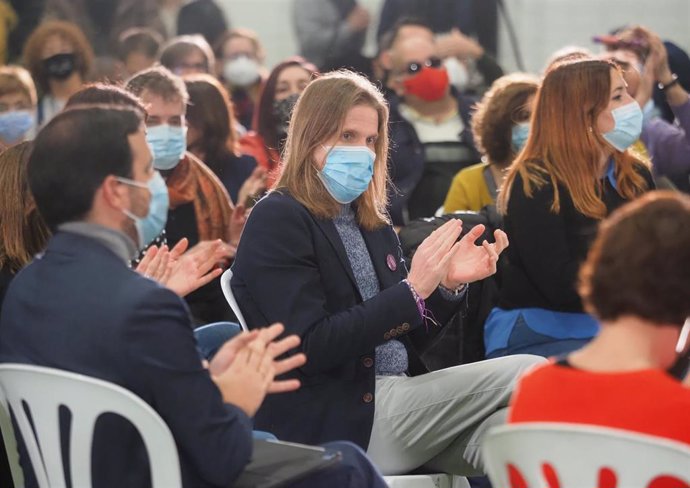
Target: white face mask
{"type": "Point", "coordinates": [457, 73]}
{"type": "Point", "coordinates": [241, 71]}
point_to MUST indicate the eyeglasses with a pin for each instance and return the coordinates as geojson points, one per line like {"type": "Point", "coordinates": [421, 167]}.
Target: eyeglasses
{"type": "Point", "coordinates": [415, 67]}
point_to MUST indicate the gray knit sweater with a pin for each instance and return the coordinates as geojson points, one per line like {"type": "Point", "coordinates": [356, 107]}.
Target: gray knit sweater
{"type": "Point", "coordinates": [391, 356]}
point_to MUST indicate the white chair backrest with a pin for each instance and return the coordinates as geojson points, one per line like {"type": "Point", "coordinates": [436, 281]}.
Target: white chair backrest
{"type": "Point", "coordinates": [44, 390]}
{"type": "Point", "coordinates": [579, 456]}
{"type": "Point", "coordinates": [230, 298]}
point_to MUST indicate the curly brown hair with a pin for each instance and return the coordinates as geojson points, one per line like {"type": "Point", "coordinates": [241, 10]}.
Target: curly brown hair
{"type": "Point", "coordinates": [497, 112]}
{"type": "Point", "coordinates": [33, 49]}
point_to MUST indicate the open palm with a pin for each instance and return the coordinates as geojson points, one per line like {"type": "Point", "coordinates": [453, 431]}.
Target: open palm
{"type": "Point", "coordinates": [470, 262]}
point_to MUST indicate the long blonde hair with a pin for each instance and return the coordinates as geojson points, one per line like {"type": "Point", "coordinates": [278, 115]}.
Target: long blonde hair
{"type": "Point", "coordinates": [319, 115]}
{"type": "Point", "coordinates": [563, 146]}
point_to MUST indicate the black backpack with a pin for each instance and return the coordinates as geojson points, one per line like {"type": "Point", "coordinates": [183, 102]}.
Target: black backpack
{"type": "Point", "coordinates": [461, 340]}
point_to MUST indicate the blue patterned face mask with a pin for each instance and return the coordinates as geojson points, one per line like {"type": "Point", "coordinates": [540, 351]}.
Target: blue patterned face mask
{"type": "Point", "coordinates": [519, 136]}
{"type": "Point", "coordinates": [150, 226]}
{"type": "Point", "coordinates": [168, 144]}
{"type": "Point", "coordinates": [14, 125]}
{"type": "Point", "coordinates": [628, 120]}
{"type": "Point", "coordinates": [347, 172]}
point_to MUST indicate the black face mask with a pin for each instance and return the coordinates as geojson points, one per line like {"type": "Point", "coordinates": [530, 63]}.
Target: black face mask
{"type": "Point", "coordinates": [282, 111]}
{"type": "Point", "coordinates": [60, 66]}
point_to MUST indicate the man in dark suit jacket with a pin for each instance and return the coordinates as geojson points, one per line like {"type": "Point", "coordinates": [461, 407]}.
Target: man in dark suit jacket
{"type": "Point", "coordinates": [78, 307]}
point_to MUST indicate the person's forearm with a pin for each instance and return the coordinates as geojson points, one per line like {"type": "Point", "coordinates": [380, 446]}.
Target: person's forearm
{"type": "Point", "coordinates": [676, 94]}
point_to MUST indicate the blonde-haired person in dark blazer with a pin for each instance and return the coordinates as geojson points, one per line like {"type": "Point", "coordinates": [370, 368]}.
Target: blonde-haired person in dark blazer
{"type": "Point", "coordinates": [319, 254]}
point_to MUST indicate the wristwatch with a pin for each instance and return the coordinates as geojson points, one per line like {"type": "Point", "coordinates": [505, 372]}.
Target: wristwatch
{"type": "Point", "coordinates": [674, 81]}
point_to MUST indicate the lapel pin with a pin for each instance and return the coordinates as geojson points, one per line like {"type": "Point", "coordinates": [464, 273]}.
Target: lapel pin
{"type": "Point", "coordinates": [390, 261]}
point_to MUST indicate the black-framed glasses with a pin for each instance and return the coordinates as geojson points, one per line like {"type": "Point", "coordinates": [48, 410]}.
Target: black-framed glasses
{"type": "Point", "coordinates": [415, 67]}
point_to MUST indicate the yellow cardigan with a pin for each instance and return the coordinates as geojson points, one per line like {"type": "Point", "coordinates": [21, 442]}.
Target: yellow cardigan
{"type": "Point", "coordinates": [468, 191]}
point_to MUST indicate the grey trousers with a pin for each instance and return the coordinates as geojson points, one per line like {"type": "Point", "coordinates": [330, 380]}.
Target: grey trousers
{"type": "Point", "coordinates": [438, 420]}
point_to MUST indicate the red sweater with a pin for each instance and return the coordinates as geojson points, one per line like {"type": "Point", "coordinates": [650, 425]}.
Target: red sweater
{"type": "Point", "coordinates": [647, 401]}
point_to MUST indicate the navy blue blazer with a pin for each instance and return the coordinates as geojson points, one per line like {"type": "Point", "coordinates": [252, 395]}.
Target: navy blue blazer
{"type": "Point", "coordinates": [291, 267]}
{"type": "Point", "coordinates": [81, 309]}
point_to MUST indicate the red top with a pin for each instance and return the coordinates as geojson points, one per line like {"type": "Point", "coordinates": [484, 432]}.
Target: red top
{"type": "Point", "coordinates": [648, 401]}
{"type": "Point", "coordinates": [269, 159]}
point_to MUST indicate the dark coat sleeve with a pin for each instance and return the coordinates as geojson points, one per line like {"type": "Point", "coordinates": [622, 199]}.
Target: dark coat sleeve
{"type": "Point", "coordinates": [280, 269]}
{"type": "Point", "coordinates": [214, 437]}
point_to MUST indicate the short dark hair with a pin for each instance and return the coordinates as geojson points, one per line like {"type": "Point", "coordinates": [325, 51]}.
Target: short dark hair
{"type": "Point", "coordinates": [139, 40]}
{"type": "Point", "coordinates": [391, 35]}
{"type": "Point", "coordinates": [72, 156]}
{"type": "Point", "coordinates": [640, 262]}
{"type": "Point", "coordinates": [105, 94]}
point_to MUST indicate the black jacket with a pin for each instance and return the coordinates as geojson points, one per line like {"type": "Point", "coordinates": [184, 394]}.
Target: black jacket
{"type": "Point", "coordinates": [407, 156]}
{"type": "Point", "coordinates": [546, 249]}
{"type": "Point", "coordinates": [291, 267]}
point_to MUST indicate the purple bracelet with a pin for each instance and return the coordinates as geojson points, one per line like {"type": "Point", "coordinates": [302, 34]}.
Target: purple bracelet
{"type": "Point", "coordinates": [421, 306]}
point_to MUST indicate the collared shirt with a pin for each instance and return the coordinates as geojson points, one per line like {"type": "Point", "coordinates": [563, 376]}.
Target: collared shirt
{"type": "Point", "coordinates": [116, 241]}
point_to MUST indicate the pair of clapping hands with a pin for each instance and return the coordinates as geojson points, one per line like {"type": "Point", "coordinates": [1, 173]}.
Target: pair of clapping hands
{"type": "Point", "coordinates": [185, 271]}
{"type": "Point", "coordinates": [245, 367]}
{"type": "Point", "coordinates": [440, 260]}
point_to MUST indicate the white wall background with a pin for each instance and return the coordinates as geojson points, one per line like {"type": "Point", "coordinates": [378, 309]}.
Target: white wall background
{"type": "Point", "coordinates": [542, 26]}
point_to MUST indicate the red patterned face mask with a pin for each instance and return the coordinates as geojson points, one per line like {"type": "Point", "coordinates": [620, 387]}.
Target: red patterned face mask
{"type": "Point", "coordinates": [429, 84]}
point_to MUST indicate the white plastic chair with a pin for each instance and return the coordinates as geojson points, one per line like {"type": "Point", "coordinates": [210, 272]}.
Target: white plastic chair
{"type": "Point", "coordinates": [427, 481]}
{"type": "Point", "coordinates": [230, 298]}
{"type": "Point", "coordinates": [45, 389]}
{"type": "Point", "coordinates": [579, 455]}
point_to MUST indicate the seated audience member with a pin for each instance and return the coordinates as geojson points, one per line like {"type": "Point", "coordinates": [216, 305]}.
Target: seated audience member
{"type": "Point", "coordinates": [272, 119]}
{"type": "Point", "coordinates": [24, 234]}
{"type": "Point", "coordinates": [574, 170]}
{"type": "Point", "coordinates": [470, 67]}
{"type": "Point", "coordinates": [104, 21]}
{"type": "Point", "coordinates": [430, 128]}
{"type": "Point", "coordinates": [500, 125]}
{"type": "Point", "coordinates": [59, 58]}
{"type": "Point", "coordinates": [668, 145]}
{"type": "Point", "coordinates": [185, 55]}
{"type": "Point", "coordinates": [91, 175]}
{"type": "Point", "coordinates": [138, 49]}
{"type": "Point", "coordinates": [331, 34]}
{"type": "Point", "coordinates": [200, 208]}
{"type": "Point", "coordinates": [636, 281]}
{"type": "Point", "coordinates": [17, 106]}
{"type": "Point", "coordinates": [212, 138]}
{"type": "Point", "coordinates": [240, 65]}
{"type": "Point", "coordinates": [320, 254]}
{"type": "Point", "coordinates": [203, 17]}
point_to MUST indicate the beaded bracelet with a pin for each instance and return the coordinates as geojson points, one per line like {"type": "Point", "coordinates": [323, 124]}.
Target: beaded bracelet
{"type": "Point", "coordinates": [421, 306]}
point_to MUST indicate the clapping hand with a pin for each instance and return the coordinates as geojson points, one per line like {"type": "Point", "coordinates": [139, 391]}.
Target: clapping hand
{"type": "Point", "coordinates": [185, 271]}
{"type": "Point", "coordinates": [470, 262]}
{"type": "Point", "coordinates": [439, 259]}
{"type": "Point", "coordinates": [245, 367]}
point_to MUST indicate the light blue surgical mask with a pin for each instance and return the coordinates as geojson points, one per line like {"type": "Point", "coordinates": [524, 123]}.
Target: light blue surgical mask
{"type": "Point", "coordinates": [628, 126]}
{"type": "Point", "coordinates": [168, 144]}
{"type": "Point", "coordinates": [150, 226]}
{"type": "Point", "coordinates": [14, 125]}
{"type": "Point", "coordinates": [347, 172]}
{"type": "Point", "coordinates": [519, 136]}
